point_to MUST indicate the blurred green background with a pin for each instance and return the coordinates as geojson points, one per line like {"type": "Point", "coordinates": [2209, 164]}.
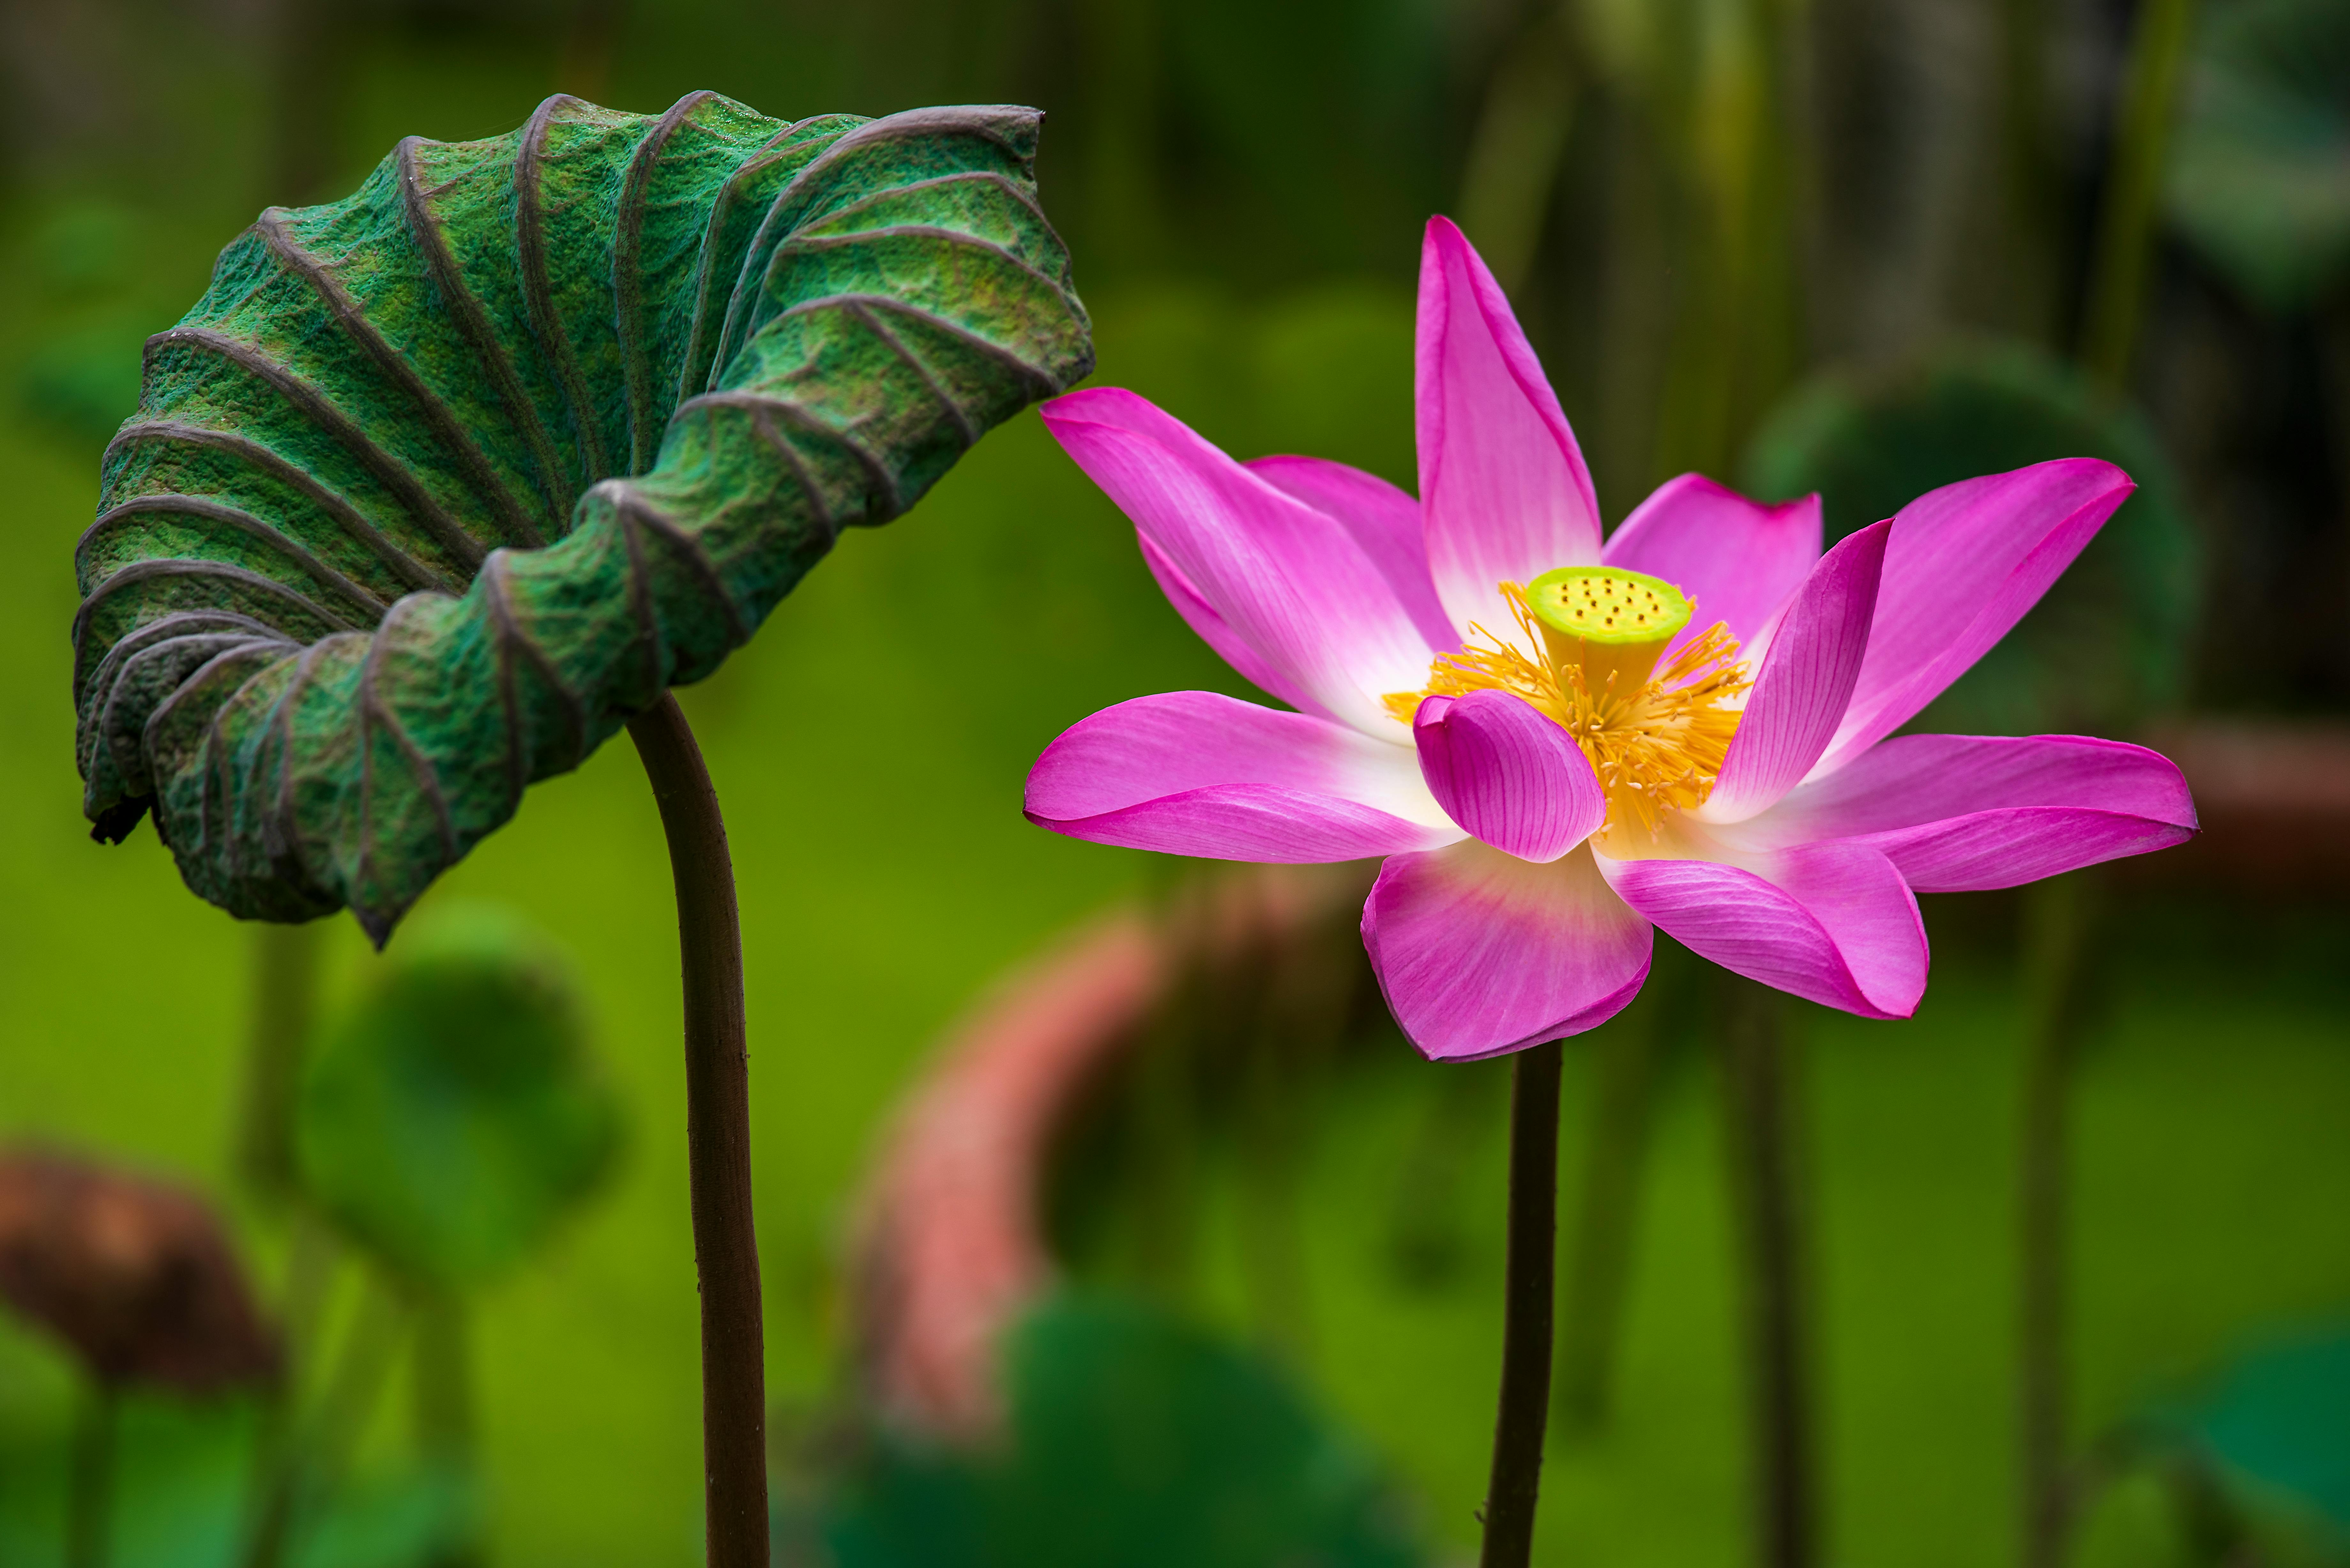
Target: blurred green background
{"type": "Point", "coordinates": [1866, 246]}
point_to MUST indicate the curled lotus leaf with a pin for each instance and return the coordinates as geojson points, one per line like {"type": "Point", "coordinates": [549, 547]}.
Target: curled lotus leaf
{"type": "Point", "coordinates": [440, 485]}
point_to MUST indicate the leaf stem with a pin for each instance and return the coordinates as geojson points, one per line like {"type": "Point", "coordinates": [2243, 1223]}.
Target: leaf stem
{"type": "Point", "coordinates": [1764, 1180]}
{"type": "Point", "coordinates": [718, 1140]}
{"type": "Point", "coordinates": [1526, 1314]}
{"type": "Point", "coordinates": [89, 1494]}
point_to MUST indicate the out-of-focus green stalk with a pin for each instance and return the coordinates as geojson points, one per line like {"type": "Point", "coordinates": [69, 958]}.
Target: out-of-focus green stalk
{"type": "Point", "coordinates": [1123, 226]}
{"type": "Point", "coordinates": [2116, 300]}
{"type": "Point", "coordinates": [2059, 927]}
{"type": "Point", "coordinates": [285, 1011]}
{"type": "Point", "coordinates": [1737, 329]}
{"type": "Point", "coordinates": [1164, 1089]}
{"type": "Point", "coordinates": [309, 1469]}
{"type": "Point", "coordinates": [442, 1365]}
{"type": "Point", "coordinates": [1516, 152]}
{"type": "Point", "coordinates": [1764, 1143]}
{"type": "Point", "coordinates": [1304, 1008]}
{"type": "Point", "coordinates": [1426, 1243]}
{"type": "Point", "coordinates": [90, 1481]}
{"type": "Point", "coordinates": [1615, 1142]}
{"type": "Point", "coordinates": [2027, 172]}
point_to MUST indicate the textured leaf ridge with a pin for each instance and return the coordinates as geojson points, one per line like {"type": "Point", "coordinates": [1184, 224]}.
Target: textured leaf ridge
{"type": "Point", "coordinates": [439, 484]}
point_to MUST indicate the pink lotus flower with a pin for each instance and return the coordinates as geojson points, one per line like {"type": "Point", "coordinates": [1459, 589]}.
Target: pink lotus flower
{"type": "Point", "coordinates": [1560, 744]}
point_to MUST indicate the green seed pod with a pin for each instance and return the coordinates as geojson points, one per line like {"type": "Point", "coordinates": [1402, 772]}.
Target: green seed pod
{"type": "Point", "coordinates": [439, 484]}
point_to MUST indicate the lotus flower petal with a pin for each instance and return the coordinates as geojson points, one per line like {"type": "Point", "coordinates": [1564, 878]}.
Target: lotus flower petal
{"type": "Point", "coordinates": [1234, 648]}
{"type": "Point", "coordinates": [1288, 580]}
{"type": "Point", "coordinates": [1508, 773]}
{"type": "Point", "coordinates": [1739, 559]}
{"type": "Point", "coordinates": [1963, 812]}
{"type": "Point", "coordinates": [1504, 492]}
{"type": "Point", "coordinates": [1384, 521]}
{"type": "Point", "coordinates": [1192, 773]}
{"type": "Point", "coordinates": [1480, 952]}
{"type": "Point", "coordinates": [1832, 922]}
{"type": "Point", "coordinates": [1806, 681]}
{"type": "Point", "coordinates": [1962, 565]}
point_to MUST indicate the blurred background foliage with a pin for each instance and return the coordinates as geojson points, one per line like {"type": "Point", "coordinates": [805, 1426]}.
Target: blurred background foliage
{"type": "Point", "coordinates": [1858, 245]}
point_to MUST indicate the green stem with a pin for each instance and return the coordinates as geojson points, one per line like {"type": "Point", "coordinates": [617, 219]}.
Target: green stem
{"type": "Point", "coordinates": [1615, 1140]}
{"type": "Point", "coordinates": [443, 1370]}
{"type": "Point", "coordinates": [284, 1008]}
{"type": "Point", "coordinates": [2158, 57]}
{"type": "Point", "coordinates": [1765, 1183]}
{"type": "Point", "coordinates": [89, 1494]}
{"type": "Point", "coordinates": [1527, 1309]}
{"type": "Point", "coordinates": [307, 1472]}
{"type": "Point", "coordinates": [2058, 915]}
{"type": "Point", "coordinates": [1516, 150]}
{"type": "Point", "coordinates": [718, 1140]}
{"type": "Point", "coordinates": [1426, 1245]}
{"type": "Point", "coordinates": [2030, 204]}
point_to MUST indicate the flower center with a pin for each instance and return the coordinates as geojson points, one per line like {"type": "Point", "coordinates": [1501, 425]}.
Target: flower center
{"type": "Point", "coordinates": [1585, 655]}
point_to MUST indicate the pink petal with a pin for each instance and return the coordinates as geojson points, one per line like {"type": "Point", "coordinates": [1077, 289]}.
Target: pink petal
{"type": "Point", "coordinates": [1384, 521]}
{"type": "Point", "coordinates": [1963, 565]}
{"type": "Point", "coordinates": [1832, 922]}
{"type": "Point", "coordinates": [1211, 628]}
{"type": "Point", "coordinates": [1289, 581]}
{"type": "Point", "coordinates": [1739, 559]}
{"type": "Point", "coordinates": [1963, 812]}
{"type": "Point", "coordinates": [1806, 680]}
{"type": "Point", "coordinates": [1192, 773]}
{"type": "Point", "coordinates": [1503, 490]}
{"type": "Point", "coordinates": [1507, 775]}
{"type": "Point", "coordinates": [1480, 952]}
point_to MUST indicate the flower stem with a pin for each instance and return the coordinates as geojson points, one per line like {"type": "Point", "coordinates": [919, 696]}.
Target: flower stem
{"type": "Point", "coordinates": [2057, 915]}
{"type": "Point", "coordinates": [718, 1140]}
{"type": "Point", "coordinates": [1527, 1293]}
{"type": "Point", "coordinates": [1763, 1180]}
{"type": "Point", "coordinates": [89, 1495]}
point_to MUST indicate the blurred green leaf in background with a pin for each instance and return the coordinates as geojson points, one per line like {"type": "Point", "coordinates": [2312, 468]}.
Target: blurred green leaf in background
{"type": "Point", "coordinates": [2260, 179]}
{"type": "Point", "coordinates": [454, 1117]}
{"type": "Point", "coordinates": [2112, 642]}
{"type": "Point", "coordinates": [1135, 1440]}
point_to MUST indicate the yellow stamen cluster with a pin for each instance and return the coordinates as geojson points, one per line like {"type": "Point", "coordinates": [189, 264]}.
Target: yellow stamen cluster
{"type": "Point", "coordinates": [1657, 747]}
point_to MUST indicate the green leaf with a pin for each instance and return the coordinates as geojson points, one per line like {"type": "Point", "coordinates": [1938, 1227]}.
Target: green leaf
{"type": "Point", "coordinates": [1137, 1441]}
{"type": "Point", "coordinates": [454, 1117]}
{"type": "Point", "coordinates": [2280, 1417]}
{"type": "Point", "coordinates": [183, 1490]}
{"type": "Point", "coordinates": [2108, 644]}
{"type": "Point", "coordinates": [2260, 169]}
{"type": "Point", "coordinates": [440, 485]}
